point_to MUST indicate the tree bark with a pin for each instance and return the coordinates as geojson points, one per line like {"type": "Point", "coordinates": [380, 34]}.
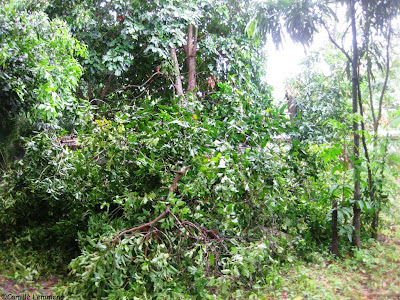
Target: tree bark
{"type": "Point", "coordinates": [375, 223]}
{"type": "Point", "coordinates": [366, 152]}
{"type": "Point", "coordinates": [190, 49]}
{"type": "Point", "coordinates": [375, 217]}
{"type": "Point", "coordinates": [335, 235]}
{"type": "Point", "coordinates": [178, 81]}
{"type": "Point", "coordinates": [356, 136]}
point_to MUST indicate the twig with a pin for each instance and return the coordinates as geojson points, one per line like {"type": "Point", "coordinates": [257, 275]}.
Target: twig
{"type": "Point", "coordinates": [141, 85]}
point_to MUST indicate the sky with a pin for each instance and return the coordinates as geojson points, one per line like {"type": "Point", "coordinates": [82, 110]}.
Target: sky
{"type": "Point", "coordinates": [285, 63]}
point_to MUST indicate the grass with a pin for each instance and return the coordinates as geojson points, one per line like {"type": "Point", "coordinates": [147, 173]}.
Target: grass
{"type": "Point", "coordinates": [370, 273]}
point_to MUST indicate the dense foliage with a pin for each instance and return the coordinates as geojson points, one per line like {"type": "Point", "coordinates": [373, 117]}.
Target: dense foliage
{"type": "Point", "coordinates": [39, 73]}
{"type": "Point", "coordinates": [39, 68]}
{"type": "Point", "coordinates": [155, 161]}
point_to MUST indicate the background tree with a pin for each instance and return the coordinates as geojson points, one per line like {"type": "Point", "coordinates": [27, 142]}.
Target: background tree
{"type": "Point", "coordinates": [160, 47]}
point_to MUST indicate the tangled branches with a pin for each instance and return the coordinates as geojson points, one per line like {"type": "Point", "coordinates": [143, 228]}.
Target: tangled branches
{"type": "Point", "coordinates": [193, 231]}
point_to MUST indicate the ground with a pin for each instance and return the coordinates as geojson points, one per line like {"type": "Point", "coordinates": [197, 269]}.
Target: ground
{"type": "Point", "coordinates": [42, 287]}
{"type": "Point", "coordinates": [370, 273]}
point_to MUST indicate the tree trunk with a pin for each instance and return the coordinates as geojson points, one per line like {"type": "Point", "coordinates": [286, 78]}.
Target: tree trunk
{"type": "Point", "coordinates": [375, 223]}
{"type": "Point", "coordinates": [375, 217]}
{"type": "Point", "coordinates": [356, 137]}
{"type": "Point", "coordinates": [190, 49]}
{"type": "Point", "coordinates": [178, 81]}
{"type": "Point", "coordinates": [291, 104]}
{"type": "Point", "coordinates": [107, 86]}
{"type": "Point", "coordinates": [357, 226]}
{"type": "Point", "coordinates": [366, 153]}
{"type": "Point", "coordinates": [335, 235]}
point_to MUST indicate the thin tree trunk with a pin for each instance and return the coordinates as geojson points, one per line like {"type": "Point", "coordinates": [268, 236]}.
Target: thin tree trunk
{"type": "Point", "coordinates": [375, 217]}
{"type": "Point", "coordinates": [376, 120]}
{"type": "Point", "coordinates": [369, 172]}
{"type": "Point", "coordinates": [366, 152]}
{"type": "Point", "coordinates": [356, 137]}
{"type": "Point", "coordinates": [371, 98]}
{"type": "Point", "coordinates": [375, 223]}
{"type": "Point", "coordinates": [334, 226]}
{"type": "Point", "coordinates": [190, 49]}
{"type": "Point", "coordinates": [335, 235]}
{"type": "Point", "coordinates": [178, 81]}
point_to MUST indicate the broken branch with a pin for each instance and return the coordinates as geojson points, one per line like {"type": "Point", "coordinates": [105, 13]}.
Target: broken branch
{"type": "Point", "coordinates": [143, 226]}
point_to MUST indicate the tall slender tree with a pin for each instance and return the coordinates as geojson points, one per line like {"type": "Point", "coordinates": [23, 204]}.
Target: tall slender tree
{"type": "Point", "coordinates": [356, 135]}
{"type": "Point", "coordinates": [301, 20]}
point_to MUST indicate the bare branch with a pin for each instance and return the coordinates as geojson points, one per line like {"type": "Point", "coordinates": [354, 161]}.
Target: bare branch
{"type": "Point", "coordinates": [202, 37]}
{"type": "Point", "coordinates": [161, 216]}
{"type": "Point", "coordinates": [141, 85]}
{"type": "Point", "coordinates": [177, 177]}
{"type": "Point", "coordinates": [143, 226]}
{"type": "Point", "coordinates": [337, 45]}
{"type": "Point", "coordinates": [196, 32]}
